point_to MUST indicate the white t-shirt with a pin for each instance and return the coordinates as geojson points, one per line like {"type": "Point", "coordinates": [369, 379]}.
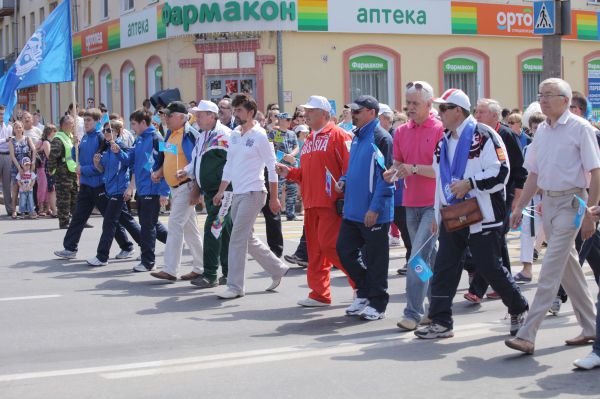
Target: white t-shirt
{"type": "Point", "coordinates": [34, 133]}
{"type": "Point", "coordinates": [246, 160]}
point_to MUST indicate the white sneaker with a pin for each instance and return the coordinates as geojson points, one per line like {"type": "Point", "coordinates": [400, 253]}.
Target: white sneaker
{"type": "Point", "coordinates": [371, 314]}
{"type": "Point", "coordinates": [357, 306]}
{"type": "Point", "coordinates": [589, 362]}
{"type": "Point", "coordinates": [140, 267]}
{"type": "Point", "coordinates": [311, 303]}
{"type": "Point", "coordinates": [96, 262]}
{"type": "Point", "coordinates": [407, 324]}
{"type": "Point", "coordinates": [277, 280]}
{"type": "Point", "coordinates": [394, 241]}
{"type": "Point", "coordinates": [230, 293]}
{"type": "Point", "coordinates": [125, 254]}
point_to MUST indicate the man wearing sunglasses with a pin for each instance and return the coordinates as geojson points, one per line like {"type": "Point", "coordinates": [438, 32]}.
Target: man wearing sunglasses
{"type": "Point", "coordinates": [368, 212]}
{"type": "Point", "coordinates": [414, 145]}
{"type": "Point", "coordinates": [469, 161]}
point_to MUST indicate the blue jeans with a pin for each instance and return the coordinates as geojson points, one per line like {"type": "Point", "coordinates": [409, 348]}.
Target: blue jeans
{"type": "Point", "coordinates": [418, 221]}
{"type": "Point", "coordinates": [26, 203]}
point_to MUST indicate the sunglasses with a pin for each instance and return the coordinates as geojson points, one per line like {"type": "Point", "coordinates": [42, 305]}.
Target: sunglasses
{"type": "Point", "coordinates": [417, 86]}
{"type": "Point", "coordinates": [513, 123]}
{"type": "Point", "coordinates": [107, 130]}
{"type": "Point", "coordinates": [444, 107]}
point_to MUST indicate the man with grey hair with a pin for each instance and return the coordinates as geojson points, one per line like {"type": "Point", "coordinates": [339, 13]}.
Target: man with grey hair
{"type": "Point", "coordinates": [561, 160]}
{"type": "Point", "coordinates": [386, 117]}
{"type": "Point", "coordinates": [414, 146]}
{"type": "Point", "coordinates": [489, 112]}
{"type": "Point", "coordinates": [179, 144]}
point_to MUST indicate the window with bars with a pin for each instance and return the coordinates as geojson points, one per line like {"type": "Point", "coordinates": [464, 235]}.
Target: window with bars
{"type": "Point", "coordinates": [465, 81]}
{"type": "Point", "coordinates": [373, 83]}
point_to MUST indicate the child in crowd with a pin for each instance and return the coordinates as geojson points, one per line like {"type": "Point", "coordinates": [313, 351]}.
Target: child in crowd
{"type": "Point", "coordinates": [26, 180]}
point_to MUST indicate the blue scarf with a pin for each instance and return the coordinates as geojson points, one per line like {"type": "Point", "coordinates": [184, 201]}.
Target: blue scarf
{"type": "Point", "coordinates": [451, 173]}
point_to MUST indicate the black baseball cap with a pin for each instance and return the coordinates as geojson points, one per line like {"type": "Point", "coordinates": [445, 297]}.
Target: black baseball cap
{"type": "Point", "coordinates": [175, 106]}
{"type": "Point", "coordinates": [368, 102]}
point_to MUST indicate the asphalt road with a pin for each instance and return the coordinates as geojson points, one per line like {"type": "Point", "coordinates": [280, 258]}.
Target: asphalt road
{"type": "Point", "coordinates": [71, 331]}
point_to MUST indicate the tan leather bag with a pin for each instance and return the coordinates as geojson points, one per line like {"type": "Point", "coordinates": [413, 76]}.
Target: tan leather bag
{"type": "Point", "coordinates": [461, 215]}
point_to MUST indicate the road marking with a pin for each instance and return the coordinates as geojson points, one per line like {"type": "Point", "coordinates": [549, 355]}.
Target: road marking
{"type": "Point", "coordinates": [131, 370]}
{"type": "Point", "coordinates": [24, 298]}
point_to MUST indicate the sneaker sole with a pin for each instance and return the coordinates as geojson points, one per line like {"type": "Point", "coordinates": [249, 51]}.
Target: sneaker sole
{"type": "Point", "coordinates": [448, 334]}
{"type": "Point", "coordinates": [64, 257]}
{"type": "Point", "coordinates": [369, 318]}
{"type": "Point", "coordinates": [403, 327]}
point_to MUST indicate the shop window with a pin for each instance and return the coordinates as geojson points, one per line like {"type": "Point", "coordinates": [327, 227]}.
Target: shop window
{"type": "Point", "coordinates": [532, 69]}
{"type": "Point", "coordinates": [464, 74]}
{"type": "Point", "coordinates": [88, 85]}
{"type": "Point", "coordinates": [106, 88]}
{"type": "Point", "coordinates": [128, 90]}
{"type": "Point", "coordinates": [369, 74]}
{"type": "Point", "coordinates": [212, 61]}
{"type": "Point", "coordinates": [154, 72]}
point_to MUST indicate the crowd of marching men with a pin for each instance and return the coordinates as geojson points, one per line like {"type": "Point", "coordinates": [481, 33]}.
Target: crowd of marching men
{"type": "Point", "coordinates": [452, 182]}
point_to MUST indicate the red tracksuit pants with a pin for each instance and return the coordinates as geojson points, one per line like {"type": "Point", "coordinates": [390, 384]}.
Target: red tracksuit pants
{"type": "Point", "coordinates": [322, 226]}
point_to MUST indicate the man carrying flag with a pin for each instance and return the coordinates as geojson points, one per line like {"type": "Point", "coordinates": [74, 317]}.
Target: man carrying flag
{"type": "Point", "coordinates": [324, 157]}
{"type": "Point", "coordinates": [177, 154]}
{"type": "Point", "coordinates": [363, 244]}
{"type": "Point", "coordinates": [469, 161]}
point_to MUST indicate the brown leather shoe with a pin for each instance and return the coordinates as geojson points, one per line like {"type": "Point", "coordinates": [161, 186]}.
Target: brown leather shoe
{"type": "Point", "coordinates": [520, 345]}
{"type": "Point", "coordinates": [163, 276]}
{"type": "Point", "coordinates": [190, 276]}
{"type": "Point", "coordinates": [580, 340]}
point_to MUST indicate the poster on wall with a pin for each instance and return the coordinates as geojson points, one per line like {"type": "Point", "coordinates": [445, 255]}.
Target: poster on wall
{"type": "Point", "coordinates": [594, 87]}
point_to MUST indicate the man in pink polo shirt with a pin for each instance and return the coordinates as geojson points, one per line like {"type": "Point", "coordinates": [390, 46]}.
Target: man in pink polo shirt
{"type": "Point", "coordinates": [414, 145]}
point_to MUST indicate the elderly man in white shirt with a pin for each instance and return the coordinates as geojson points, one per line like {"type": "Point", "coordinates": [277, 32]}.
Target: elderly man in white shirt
{"type": "Point", "coordinates": [249, 153]}
{"type": "Point", "coordinates": [561, 161]}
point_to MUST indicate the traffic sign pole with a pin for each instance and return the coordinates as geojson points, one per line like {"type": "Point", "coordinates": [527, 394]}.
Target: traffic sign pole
{"type": "Point", "coordinates": [552, 44]}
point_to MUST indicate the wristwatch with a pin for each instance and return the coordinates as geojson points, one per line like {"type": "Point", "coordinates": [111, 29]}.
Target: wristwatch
{"type": "Point", "coordinates": [414, 169]}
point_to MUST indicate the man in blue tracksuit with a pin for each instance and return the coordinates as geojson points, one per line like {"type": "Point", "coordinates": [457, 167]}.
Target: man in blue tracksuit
{"type": "Point", "coordinates": [91, 194]}
{"type": "Point", "coordinates": [143, 159]}
{"type": "Point", "coordinates": [368, 211]}
{"type": "Point", "coordinates": [113, 163]}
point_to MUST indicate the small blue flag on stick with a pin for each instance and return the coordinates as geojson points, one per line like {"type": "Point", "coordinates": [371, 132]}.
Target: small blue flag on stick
{"type": "Point", "coordinates": [167, 147]}
{"type": "Point", "coordinates": [379, 157]}
{"type": "Point", "coordinates": [419, 266]}
{"type": "Point", "coordinates": [328, 180]}
{"type": "Point", "coordinates": [580, 212]}
{"type": "Point", "coordinates": [280, 155]}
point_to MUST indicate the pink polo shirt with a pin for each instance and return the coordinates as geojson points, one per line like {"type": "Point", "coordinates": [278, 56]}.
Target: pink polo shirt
{"type": "Point", "coordinates": [414, 145]}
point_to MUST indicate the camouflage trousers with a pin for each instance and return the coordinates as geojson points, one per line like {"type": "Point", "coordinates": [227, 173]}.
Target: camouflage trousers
{"type": "Point", "coordinates": [66, 196]}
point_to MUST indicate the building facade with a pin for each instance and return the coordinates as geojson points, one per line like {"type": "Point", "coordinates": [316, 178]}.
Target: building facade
{"type": "Point", "coordinates": [126, 50]}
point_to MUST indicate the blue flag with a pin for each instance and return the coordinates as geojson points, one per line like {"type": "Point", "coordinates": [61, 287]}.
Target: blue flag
{"type": "Point", "coordinates": [163, 146]}
{"type": "Point", "coordinates": [149, 161]}
{"type": "Point", "coordinates": [580, 212]}
{"type": "Point", "coordinates": [379, 157]}
{"type": "Point", "coordinates": [328, 181]}
{"type": "Point", "coordinates": [47, 57]}
{"type": "Point", "coordinates": [280, 155]}
{"type": "Point", "coordinates": [419, 266]}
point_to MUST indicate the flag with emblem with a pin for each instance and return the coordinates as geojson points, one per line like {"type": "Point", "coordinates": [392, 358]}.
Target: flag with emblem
{"type": "Point", "coordinates": [167, 147]}
{"type": "Point", "coordinates": [581, 208]}
{"type": "Point", "coordinates": [420, 267]}
{"type": "Point", "coordinates": [379, 157]}
{"type": "Point", "coordinates": [328, 181]}
{"type": "Point", "coordinates": [47, 57]}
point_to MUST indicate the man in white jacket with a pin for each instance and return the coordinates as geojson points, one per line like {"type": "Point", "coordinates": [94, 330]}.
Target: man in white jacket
{"type": "Point", "coordinates": [469, 162]}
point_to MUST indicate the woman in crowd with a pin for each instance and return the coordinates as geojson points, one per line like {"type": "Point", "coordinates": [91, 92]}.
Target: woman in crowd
{"type": "Point", "coordinates": [19, 148]}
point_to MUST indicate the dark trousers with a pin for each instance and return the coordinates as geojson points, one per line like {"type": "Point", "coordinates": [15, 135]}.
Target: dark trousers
{"type": "Point", "coordinates": [479, 286]}
{"type": "Point", "coordinates": [148, 207]}
{"type": "Point", "coordinates": [302, 250]}
{"type": "Point", "coordinates": [486, 253]}
{"type": "Point", "coordinates": [216, 250]}
{"type": "Point", "coordinates": [110, 223]}
{"type": "Point", "coordinates": [88, 198]}
{"type": "Point", "coordinates": [273, 226]}
{"type": "Point", "coordinates": [400, 222]}
{"type": "Point", "coordinates": [370, 273]}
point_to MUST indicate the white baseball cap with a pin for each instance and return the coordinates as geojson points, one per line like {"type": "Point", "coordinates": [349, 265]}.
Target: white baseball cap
{"type": "Point", "coordinates": [301, 128]}
{"type": "Point", "coordinates": [384, 108]}
{"type": "Point", "coordinates": [456, 97]}
{"type": "Point", "coordinates": [207, 106]}
{"type": "Point", "coordinates": [318, 102]}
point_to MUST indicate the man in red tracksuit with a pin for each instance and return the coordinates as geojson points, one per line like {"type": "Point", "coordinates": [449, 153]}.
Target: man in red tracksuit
{"type": "Point", "coordinates": [326, 148]}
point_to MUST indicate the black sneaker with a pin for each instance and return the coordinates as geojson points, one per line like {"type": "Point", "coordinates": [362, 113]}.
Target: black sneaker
{"type": "Point", "coordinates": [203, 282]}
{"type": "Point", "coordinates": [516, 322]}
{"type": "Point", "coordinates": [290, 258]}
{"type": "Point", "coordinates": [403, 270]}
{"type": "Point", "coordinates": [434, 331]}
{"type": "Point", "coordinates": [222, 280]}
{"type": "Point", "coordinates": [303, 263]}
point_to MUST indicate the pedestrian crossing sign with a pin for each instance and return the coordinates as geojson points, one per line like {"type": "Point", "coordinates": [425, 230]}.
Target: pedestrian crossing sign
{"type": "Point", "coordinates": [544, 18]}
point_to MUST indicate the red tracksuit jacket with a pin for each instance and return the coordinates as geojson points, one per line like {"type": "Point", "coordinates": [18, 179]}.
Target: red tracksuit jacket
{"type": "Point", "coordinates": [329, 148]}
